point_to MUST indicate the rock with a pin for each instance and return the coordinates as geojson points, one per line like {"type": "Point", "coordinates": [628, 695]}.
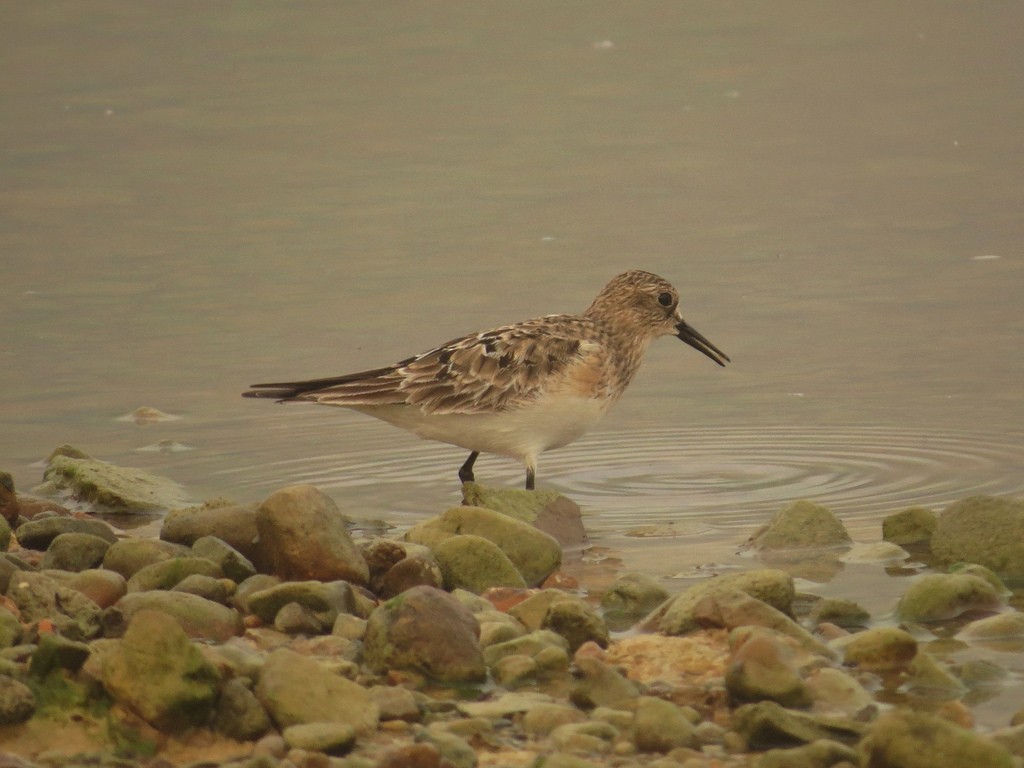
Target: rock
{"type": "Point", "coordinates": [395, 703]}
{"type": "Point", "coordinates": [532, 646]}
{"type": "Point", "coordinates": [631, 597]}
{"type": "Point", "coordinates": [329, 738]}
{"type": "Point", "coordinates": [39, 534]}
{"type": "Point", "coordinates": [75, 552]}
{"type": "Point", "coordinates": [303, 537]}
{"type": "Point", "coordinates": [925, 674]}
{"type": "Point", "coordinates": [296, 689]}
{"type": "Point", "coordinates": [906, 739]}
{"type": "Point", "coordinates": [9, 508]}
{"type": "Point", "coordinates": [207, 587]}
{"type": "Point", "coordinates": [833, 691]}
{"type": "Point", "coordinates": [843, 613]}
{"type": "Point", "coordinates": [5, 534]}
{"type": "Point", "coordinates": [973, 569]}
{"type": "Point", "coordinates": [232, 563]}
{"type": "Point", "coordinates": [128, 556]}
{"type": "Point", "coordinates": [542, 718]}
{"type": "Point", "coordinates": [766, 725]}
{"type": "Point", "coordinates": [880, 649]}
{"type": "Point", "coordinates": [234, 524]}
{"type": "Point", "coordinates": [101, 586]}
{"type": "Point", "coordinates": [592, 737]}
{"type": "Point", "coordinates": [1012, 738]}
{"type": "Point", "coordinates": [734, 609]}
{"type": "Point", "coordinates": [326, 601]}
{"type": "Point", "coordinates": [412, 571]}
{"type": "Point", "coordinates": [157, 672]}
{"type": "Point", "coordinates": [295, 619]}
{"type": "Point", "coordinates": [40, 597]}
{"type": "Point", "coordinates": [1003, 626]}
{"type": "Point", "coordinates": [763, 667]}
{"type": "Point", "coordinates": [455, 751]}
{"type": "Point", "coordinates": [10, 628]}
{"type": "Point", "coordinates": [676, 615]}
{"type": "Point", "coordinates": [56, 652]}
{"type": "Point", "coordinates": [660, 726]}
{"type": "Point", "coordinates": [198, 618]}
{"type": "Point", "coordinates": [547, 511]}
{"type": "Point", "coordinates": [911, 526]}
{"type": "Point", "coordinates": [17, 703]}
{"type": "Point", "coordinates": [475, 564]}
{"type": "Point", "coordinates": [535, 554]}
{"type": "Point", "coordinates": [875, 553]}
{"type": "Point", "coordinates": [986, 530]}
{"type": "Point", "coordinates": [119, 490]}
{"type": "Point", "coordinates": [598, 684]}
{"type": "Point", "coordinates": [801, 525]}
{"type": "Point", "coordinates": [168, 573]}
{"type": "Point", "coordinates": [240, 715]}
{"type": "Point", "coordinates": [428, 631]}
{"type": "Point", "coordinates": [941, 596]}
{"type": "Point", "coordinates": [817, 754]}
{"type": "Point", "coordinates": [417, 755]}
{"type": "Point", "coordinates": [563, 614]}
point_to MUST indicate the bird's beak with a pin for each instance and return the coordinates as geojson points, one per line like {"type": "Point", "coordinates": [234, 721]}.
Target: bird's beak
{"type": "Point", "coordinates": [689, 335]}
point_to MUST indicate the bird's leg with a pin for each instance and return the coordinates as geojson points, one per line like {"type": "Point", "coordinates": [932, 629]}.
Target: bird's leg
{"type": "Point", "coordinates": [530, 476]}
{"type": "Point", "coordinates": [466, 470]}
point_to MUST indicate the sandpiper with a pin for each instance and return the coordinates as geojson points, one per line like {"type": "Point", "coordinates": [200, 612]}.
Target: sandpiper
{"type": "Point", "coordinates": [521, 389]}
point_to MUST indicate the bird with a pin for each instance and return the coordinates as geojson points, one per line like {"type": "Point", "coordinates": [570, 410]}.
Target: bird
{"type": "Point", "coordinates": [518, 390]}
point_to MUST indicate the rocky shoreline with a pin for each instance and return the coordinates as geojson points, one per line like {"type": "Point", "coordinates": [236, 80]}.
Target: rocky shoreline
{"type": "Point", "coordinates": [266, 636]}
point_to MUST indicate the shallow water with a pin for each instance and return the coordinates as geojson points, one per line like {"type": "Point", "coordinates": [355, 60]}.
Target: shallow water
{"type": "Point", "coordinates": [196, 197]}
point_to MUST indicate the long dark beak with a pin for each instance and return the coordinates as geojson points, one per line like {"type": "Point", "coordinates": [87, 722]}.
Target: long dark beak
{"type": "Point", "coordinates": [698, 342]}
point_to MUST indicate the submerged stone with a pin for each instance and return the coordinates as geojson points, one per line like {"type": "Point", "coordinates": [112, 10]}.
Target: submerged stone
{"type": "Point", "coordinates": [987, 530]}
{"type": "Point", "coordinates": [802, 524]}
{"type": "Point", "coordinates": [120, 490]}
{"type": "Point", "coordinates": [941, 596]}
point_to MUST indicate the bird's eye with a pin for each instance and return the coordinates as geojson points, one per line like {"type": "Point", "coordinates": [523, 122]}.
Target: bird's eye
{"type": "Point", "coordinates": [665, 299]}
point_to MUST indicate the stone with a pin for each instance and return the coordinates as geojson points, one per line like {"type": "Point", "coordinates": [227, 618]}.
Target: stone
{"type": "Point", "coordinates": [412, 571]}
{"type": "Point", "coordinates": [455, 751]}
{"type": "Point", "coordinates": [548, 511]}
{"type": "Point", "coordinates": [734, 609]}
{"type": "Point", "coordinates": [128, 556]}
{"type": "Point", "coordinates": [5, 534]}
{"type": "Point", "coordinates": [207, 587]}
{"type": "Point", "coordinates": [168, 573]}
{"type": "Point", "coordinates": [101, 586]}
{"type": "Point", "coordinates": [295, 619]}
{"type": "Point", "coordinates": [661, 726]}
{"type": "Point", "coordinates": [1002, 626]}
{"type": "Point", "coordinates": [113, 489]}
{"type": "Point", "coordinates": [75, 552]}
{"type": "Point", "coordinates": [38, 597]}
{"type": "Point", "coordinates": [427, 631]}
{"type": "Point", "coordinates": [395, 703]}
{"type": "Point", "coordinates": [530, 645]}
{"type": "Point", "coordinates": [843, 613]}
{"type": "Point", "coordinates": [232, 563]}
{"type": "Point", "coordinates": [875, 553]}
{"type": "Point", "coordinates": [631, 597]}
{"type": "Point", "coordinates": [240, 715]}
{"type": "Point", "coordinates": [295, 689]}
{"type": "Point", "coordinates": [329, 738]}
{"type": "Point", "coordinates": [598, 684]}
{"type": "Point", "coordinates": [767, 725]}
{"type": "Point", "coordinates": [199, 618]}
{"type": "Point", "coordinates": [56, 652]}
{"type": "Point", "coordinates": [10, 628]}
{"type": "Point", "coordinates": [39, 534]}
{"type": "Point", "coordinates": [592, 737]}
{"type": "Point", "coordinates": [158, 673]}
{"type": "Point", "coordinates": [817, 754]}
{"type": "Point", "coordinates": [17, 702]}
{"type": "Point", "coordinates": [880, 649]}
{"type": "Point", "coordinates": [986, 530]}
{"type": "Point", "coordinates": [906, 739]}
{"type": "Point", "coordinates": [764, 667]}
{"type": "Point", "coordinates": [543, 717]}
{"type": "Point", "coordinates": [676, 615]}
{"type": "Point", "coordinates": [303, 537]}
{"type": "Point", "coordinates": [802, 524]}
{"type": "Point", "coordinates": [911, 526]}
{"type": "Point", "coordinates": [234, 524]}
{"type": "Point", "coordinates": [535, 554]}
{"type": "Point", "coordinates": [942, 596]}
{"type": "Point", "coordinates": [325, 600]}
{"type": "Point", "coordinates": [475, 564]}
{"type": "Point", "coordinates": [833, 691]}
{"type": "Point", "coordinates": [417, 755]}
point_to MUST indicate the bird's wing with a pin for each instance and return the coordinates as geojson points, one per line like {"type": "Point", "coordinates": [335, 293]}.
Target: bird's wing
{"type": "Point", "coordinates": [490, 371]}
